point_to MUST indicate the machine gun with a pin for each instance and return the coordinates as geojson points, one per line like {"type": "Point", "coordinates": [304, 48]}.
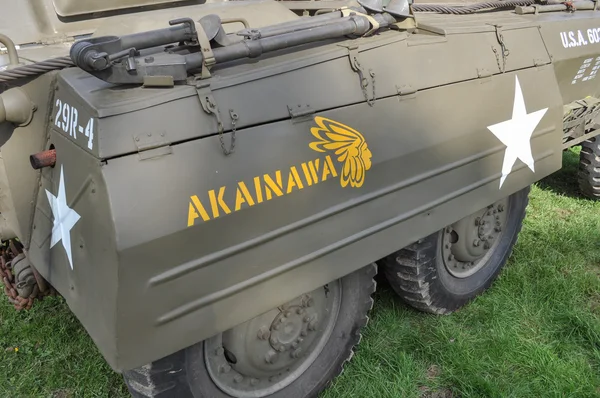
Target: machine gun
{"type": "Point", "coordinates": [151, 57]}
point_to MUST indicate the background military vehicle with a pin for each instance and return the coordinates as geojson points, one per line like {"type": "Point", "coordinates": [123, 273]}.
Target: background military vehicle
{"type": "Point", "coordinates": [211, 186]}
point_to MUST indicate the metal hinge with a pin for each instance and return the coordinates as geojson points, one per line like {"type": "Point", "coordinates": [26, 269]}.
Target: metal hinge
{"type": "Point", "coordinates": [357, 67]}
{"type": "Point", "coordinates": [406, 91]}
{"type": "Point", "coordinates": [152, 145]}
{"type": "Point", "coordinates": [300, 113]}
{"type": "Point", "coordinates": [209, 105]}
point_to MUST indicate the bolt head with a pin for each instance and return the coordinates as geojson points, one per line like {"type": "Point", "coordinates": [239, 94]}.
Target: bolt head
{"type": "Point", "coordinates": [225, 368]}
{"type": "Point", "coordinates": [451, 257]}
{"type": "Point", "coordinates": [500, 208]}
{"type": "Point", "coordinates": [253, 381]}
{"type": "Point", "coordinates": [486, 245]}
{"type": "Point", "coordinates": [303, 333]}
{"type": "Point", "coordinates": [310, 302]}
{"type": "Point", "coordinates": [220, 351]}
{"type": "Point", "coordinates": [297, 353]}
{"type": "Point", "coordinates": [476, 242]}
{"type": "Point", "coordinates": [271, 356]}
{"type": "Point", "coordinates": [276, 327]}
{"type": "Point", "coordinates": [263, 333]}
{"type": "Point", "coordinates": [287, 314]}
{"type": "Point", "coordinates": [281, 348]}
{"type": "Point", "coordinates": [477, 221]}
{"type": "Point", "coordinates": [306, 319]}
{"type": "Point", "coordinates": [299, 311]}
{"type": "Point", "coordinates": [238, 378]}
{"type": "Point", "coordinates": [497, 229]}
{"type": "Point", "coordinates": [295, 344]}
{"type": "Point", "coordinates": [273, 340]}
{"type": "Point", "coordinates": [313, 324]}
{"type": "Point", "coordinates": [300, 339]}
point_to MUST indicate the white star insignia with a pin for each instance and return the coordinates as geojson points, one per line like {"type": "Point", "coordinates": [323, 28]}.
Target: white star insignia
{"type": "Point", "coordinates": [64, 218]}
{"type": "Point", "coordinates": [516, 133]}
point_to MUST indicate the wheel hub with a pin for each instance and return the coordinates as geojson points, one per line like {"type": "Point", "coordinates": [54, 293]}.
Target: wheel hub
{"type": "Point", "coordinates": [466, 244]}
{"type": "Point", "coordinates": [269, 352]}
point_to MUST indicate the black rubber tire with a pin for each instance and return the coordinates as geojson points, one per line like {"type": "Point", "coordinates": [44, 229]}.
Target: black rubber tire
{"type": "Point", "coordinates": [184, 373]}
{"type": "Point", "coordinates": [589, 168]}
{"type": "Point", "coordinates": [419, 277]}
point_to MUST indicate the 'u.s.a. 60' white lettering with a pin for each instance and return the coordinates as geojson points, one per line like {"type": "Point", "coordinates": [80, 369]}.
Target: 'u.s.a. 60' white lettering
{"type": "Point", "coordinates": [67, 120]}
{"type": "Point", "coordinates": [579, 38]}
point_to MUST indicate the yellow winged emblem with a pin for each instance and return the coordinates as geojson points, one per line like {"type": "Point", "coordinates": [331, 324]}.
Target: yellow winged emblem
{"type": "Point", "coordinates": [348, 145]}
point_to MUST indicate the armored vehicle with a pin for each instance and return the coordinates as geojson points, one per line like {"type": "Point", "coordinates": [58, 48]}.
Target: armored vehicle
{"type": "Point", "coordinates": [211, 186]}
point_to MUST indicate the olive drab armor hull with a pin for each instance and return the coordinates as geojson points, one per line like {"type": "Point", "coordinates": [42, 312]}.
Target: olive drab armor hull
{"type": "Point", "coordinates": [191, 192]}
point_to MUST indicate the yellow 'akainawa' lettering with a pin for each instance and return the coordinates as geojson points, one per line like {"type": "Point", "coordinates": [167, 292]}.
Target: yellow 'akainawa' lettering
{"type": "Point", "coordinates": [195, 208]}
{"type": "Point", "coordinates": [242, 196]}
{"type": "Point", "coordinates": [328, 168]}
{"type": "Point", "coordinates": [311, 171]}
{"type": "Point", "coordinates": [217, 201]}
{"type": "Point", "coordinates": [272, 185]}
{"type": "Point", "coordinates": [294, 180]}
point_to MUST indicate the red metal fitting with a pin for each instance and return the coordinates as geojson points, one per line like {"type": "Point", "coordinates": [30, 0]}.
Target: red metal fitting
{"type": "Point", "coordinates": [43, 159]}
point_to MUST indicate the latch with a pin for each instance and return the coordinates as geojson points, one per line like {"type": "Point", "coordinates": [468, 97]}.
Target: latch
{"type": "Point", "coordinates": [152, 145]}
{"type": "Point", "coordinates": [209, 105]}
{"type": "Point", "coordinates": [357, 67]}
{"type": "Point", "coordinates": [503, 49]}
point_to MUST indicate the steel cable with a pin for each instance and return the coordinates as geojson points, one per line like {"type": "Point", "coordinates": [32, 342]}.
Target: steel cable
{"type": "Point", "coordinates": [37, 68]}
{"type": "Point", "coordinates": [472, 8]}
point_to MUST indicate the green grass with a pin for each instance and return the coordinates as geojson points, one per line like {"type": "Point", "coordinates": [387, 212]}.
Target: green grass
{"type": "Point", "coordinates": [535, 333]}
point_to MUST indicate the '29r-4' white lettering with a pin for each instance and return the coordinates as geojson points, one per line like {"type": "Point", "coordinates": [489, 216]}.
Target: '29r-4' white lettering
{"type": "Point", "coordinates": [67, 120]}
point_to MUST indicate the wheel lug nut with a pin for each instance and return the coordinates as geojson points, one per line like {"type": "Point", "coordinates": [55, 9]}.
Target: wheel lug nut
{"type": "Point", "coordinates": [281, 348]}
{"type": "Point", "coordinates": [238, 378]}
{"type": "Point", "coordinates": [477, 220]}
{"type": "Point", "coordinates": [300, 339]}
{"type": "Point", "coordinates": [476, 242]}
{"type": "Point", "coordinates": [271, 356]}
{"type": "Point", "coordinates": [306, 319]}
{"type": "Point", "coordinates": [273, 340]}
{"type": "Point", "coordinates": [313, 324]}
{"type": "Point", "coordinates": [276, 327]}
{"type": "Point", "coordinates": [299, 311]}
{"type": "Point", "coordinates": [287, 313]}
{"type": "Point", "coordinates": [486, 245]}
{"type": "Point", "coordinates": [253, 381]}
{"type": "Point", "coordinates": [451, 257]}
{"type": "Point", "coordinates": [498, 229]}
{"type": "Point", "coordinates": [500, 208]}
{"type": "Point", "coordinates": [447, 245]}
{"type": "Point", "coordinates": [224, 368]}
{"type": "Point", "coordinates": [263, 333]}
{"type": "Point", "coordinates": [282, 319]}
{"type": "Point", "coordinates": [303, 333]}
{"type": "Point", "coordinates": [296, 353]}
{"type": "Point", "coordinates": [295, 344]}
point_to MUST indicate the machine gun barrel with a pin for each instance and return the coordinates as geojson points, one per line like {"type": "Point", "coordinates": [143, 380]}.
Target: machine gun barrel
{"type": "Point", "coordinates": [292, 26]}
{"type": "Point", "coordinates": [352, 25]}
